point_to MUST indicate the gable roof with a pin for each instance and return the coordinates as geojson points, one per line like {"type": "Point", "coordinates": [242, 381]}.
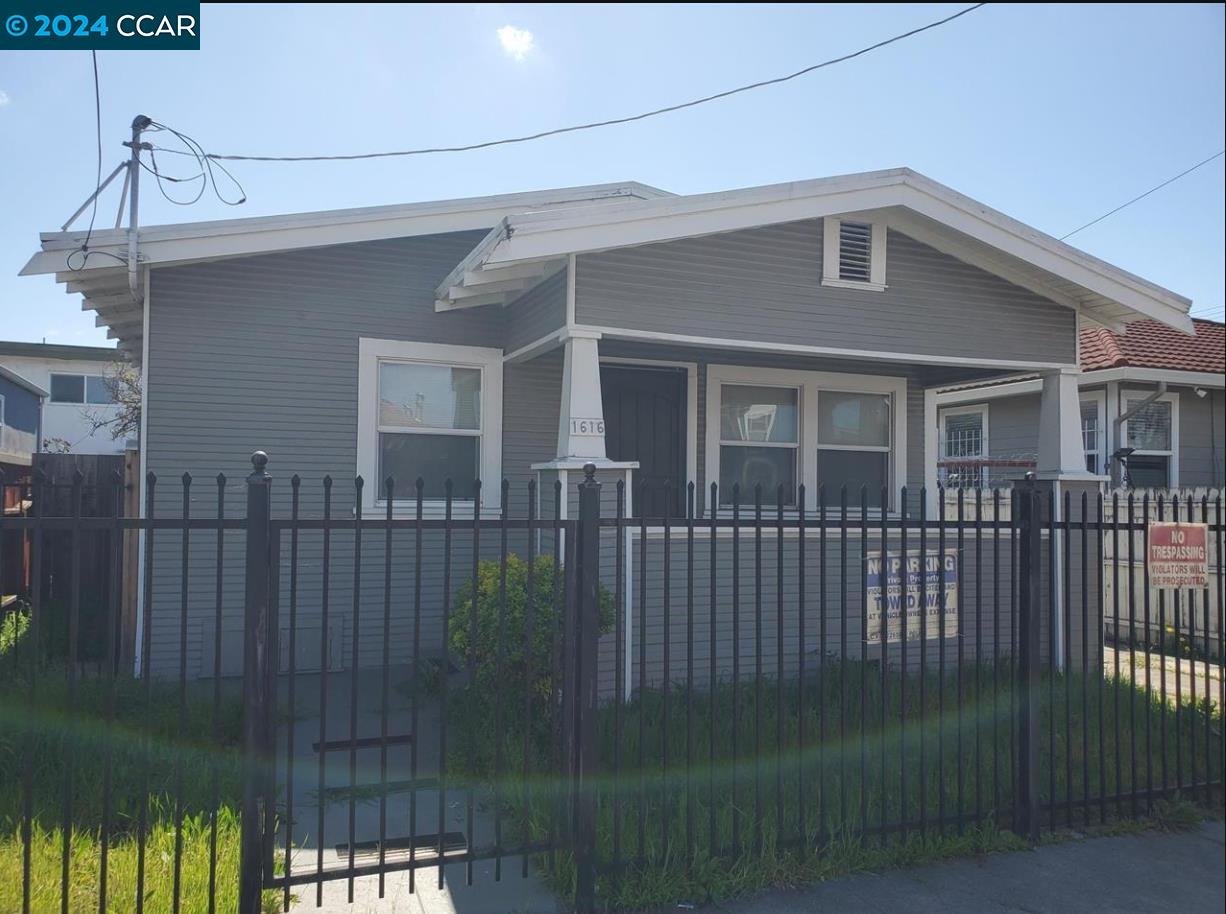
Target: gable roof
{"type": "Point", "coordinates": [104, 283]}
{"type": "Point", "coordinates": [1149, 344]}
{"type": "Point", "coordinates": [922, 208]}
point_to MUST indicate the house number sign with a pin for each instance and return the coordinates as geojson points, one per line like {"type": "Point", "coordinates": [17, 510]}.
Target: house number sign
{"type": "Point", "coordinates": [589, 427]}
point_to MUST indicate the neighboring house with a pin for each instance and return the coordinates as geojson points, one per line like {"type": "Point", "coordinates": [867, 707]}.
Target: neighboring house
{"type": "Point", "coordinates": [21, 407]}
{"type": "Point", "coordinates": [79, 395]}
{"type": "Point", "coordinates": [1153, 412]}
{"type": "Point", "coordinates": [21, 416]}
{"type": "Point", "coordinates": [781, 335]}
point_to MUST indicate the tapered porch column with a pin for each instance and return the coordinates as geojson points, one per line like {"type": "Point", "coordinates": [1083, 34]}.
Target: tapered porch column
{"type": "Point", "coordinates": [581, 420]}
{"type": "Point", "coordinates": [1061, 450]}
{"type": "Point", "coordinates": [1062, 470]}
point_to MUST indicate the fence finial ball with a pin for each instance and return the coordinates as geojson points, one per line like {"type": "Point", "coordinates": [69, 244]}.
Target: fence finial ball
{"type": "Point", "coordinates": [259, 460]}
{"type": "Point", "coordinates": [589, 472]}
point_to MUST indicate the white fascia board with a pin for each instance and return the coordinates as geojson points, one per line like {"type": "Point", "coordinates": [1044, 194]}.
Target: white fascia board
{"type": "Point", "coordinates": [528, 242]}
{"type": "Point", "coordinates": [546, 235]}
{"type": "Point", "coordinates": [1005, 234]}
{"type": "Point", "coordinates": [626, 333]}
{"type": "Point", "coordinates": [238, 237]}
{"type": "Point", "coordinates": [1154, 375]}
{"type": "Point", "coordinates": [994, 392]}
{"type": "Point", "coordinates": [1086, 379]}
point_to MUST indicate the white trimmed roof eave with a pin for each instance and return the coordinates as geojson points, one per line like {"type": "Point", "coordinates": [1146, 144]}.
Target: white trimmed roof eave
{"type": "Point", "coordinates": [919, 206]}
{"type": "Point", "coordinates": [103, 279]}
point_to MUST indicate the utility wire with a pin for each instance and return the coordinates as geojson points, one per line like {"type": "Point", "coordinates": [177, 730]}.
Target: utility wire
{"type": "Point", "coordinates": [84, 250]}
{"type": "Point", "coordinates": [214, 157]}
{"type": "Point", "coordinates": [1144, 195]}
{"type": "Point", "coordinates": [205, 175]}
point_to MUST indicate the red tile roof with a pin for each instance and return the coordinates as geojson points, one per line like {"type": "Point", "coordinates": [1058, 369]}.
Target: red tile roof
{"type": "Point", "coordinates": [1149, 344]}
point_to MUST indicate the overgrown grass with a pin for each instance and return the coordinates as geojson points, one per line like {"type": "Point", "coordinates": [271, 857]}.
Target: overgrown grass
{"type": "Point", "coordinates": [123, 741]}
{"type": "Point", "coordinates": [712, 794]}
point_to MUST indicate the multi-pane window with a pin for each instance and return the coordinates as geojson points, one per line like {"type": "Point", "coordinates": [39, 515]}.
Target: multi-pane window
{"type": "Point", "coordinates": [91, 389]}
{"type": "Point", "coordinates": [964, 448]}
{"type": "Point", "coordinates": [1150, 435]}
{"type": "Point", "coordinates": [853, 444]}
{"type": "Point", "coordinates": [777, 429]}
{"type": "Point", "coordinates": [1090, 436]}
{"type": "Point", "coordinates": [429, 427]}
{"type": "Point", "coordinates": [759, 438]}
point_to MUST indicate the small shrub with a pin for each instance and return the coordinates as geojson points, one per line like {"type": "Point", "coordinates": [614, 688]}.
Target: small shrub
{"type": "Point", "coordinates": [503, 660]}
{"type": "Point", "coordinates": [13, 629]}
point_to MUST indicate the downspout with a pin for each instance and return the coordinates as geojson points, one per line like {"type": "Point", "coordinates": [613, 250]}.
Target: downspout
{"type": "Point", "coordinates": [1128, 414]}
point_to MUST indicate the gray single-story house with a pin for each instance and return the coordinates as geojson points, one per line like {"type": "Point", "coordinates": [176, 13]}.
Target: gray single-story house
{"type": "Point", "coordinates": [1153, 412]}
{"type": "Point", "coordinates": [782, 335]}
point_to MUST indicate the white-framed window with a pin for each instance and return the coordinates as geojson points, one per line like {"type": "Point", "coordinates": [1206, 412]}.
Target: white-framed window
{"type": "Point", "coordinates": [1153, 435]}
{"type": "Point", "coordinates": [964, 447]}
{"type": "Point", "coordinates": [759, 442]}
{"type": "Point", "coordinates": [1094, 431]}
{"type": "Point", "coordinates": [774, 427]}
{"type": "Point", "coordinates": [91, 389]}
{"type": "Point", "coordinates": [1, 410]}
{"type": "Point", "coordinates": [853, 253]}
{"type": "Point", "coordinates": [429, 411]}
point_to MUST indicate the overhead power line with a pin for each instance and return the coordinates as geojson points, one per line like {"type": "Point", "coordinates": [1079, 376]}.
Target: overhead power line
{"type": "Point", "coordinates": [1158, 187]}
{"type": "Point", "coordinates": [84, 250]}
{"type": "Point", "coordinates": [594, 124]}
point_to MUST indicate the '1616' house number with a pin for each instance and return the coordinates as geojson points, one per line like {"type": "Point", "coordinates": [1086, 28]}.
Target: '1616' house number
{"type": "Point", "coordinates": [587, 426]}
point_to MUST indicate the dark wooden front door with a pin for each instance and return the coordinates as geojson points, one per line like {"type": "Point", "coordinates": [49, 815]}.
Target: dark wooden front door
{"type": "Point", "coordinates": [644, 412]}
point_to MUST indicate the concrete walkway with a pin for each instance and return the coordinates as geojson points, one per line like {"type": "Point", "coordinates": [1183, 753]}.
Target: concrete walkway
{"type": "Point", "coordinates": [491, 892]}
{"type": "Point", "coordinates": [1135, 874]}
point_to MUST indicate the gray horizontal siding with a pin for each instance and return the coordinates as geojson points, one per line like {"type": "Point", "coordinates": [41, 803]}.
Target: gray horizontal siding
{"type": "Point", "coordinates": [1202, 429]}
{"type": "Point", "coordinates": [532, 401]}
{"type": "Point", "coordinates": [764, 284]}
{"type": "Point", "coordinates": [539, 311]}
{"type": "Point", "coordinates": [262, 353]}
{"type": "Point", "coordinates": [747, 617]}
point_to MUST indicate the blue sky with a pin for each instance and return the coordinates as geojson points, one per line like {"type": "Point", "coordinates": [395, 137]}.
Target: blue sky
{"type": "Point", "coordinates": [1053, 114]}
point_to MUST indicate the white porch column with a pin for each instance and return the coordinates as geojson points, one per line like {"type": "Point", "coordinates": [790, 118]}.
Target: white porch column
{"type": "Point", "coordinates": [1061, 451]}
{"type": "Point", "coordinates": [581, 420]}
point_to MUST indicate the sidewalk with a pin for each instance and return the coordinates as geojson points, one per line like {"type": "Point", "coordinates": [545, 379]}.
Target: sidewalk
{"type": "Point", "coordinates": [1149, 872]}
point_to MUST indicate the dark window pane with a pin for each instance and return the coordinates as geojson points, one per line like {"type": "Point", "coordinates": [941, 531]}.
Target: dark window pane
{"type": "Point", "coordinates": [98, 390]}
{"type": "Point", "coordinates": [853, 469]}
{"type": "Point", "coordinates": [67, 388]}
{"type": "Point", "coordinates": [432, 457]}
{"type": "Point", "coordinates": [1150, 428]}
{"type": "Point", "coordinates": [1148, 472]}
{"type": "Point", "coordinates": [751, 466]}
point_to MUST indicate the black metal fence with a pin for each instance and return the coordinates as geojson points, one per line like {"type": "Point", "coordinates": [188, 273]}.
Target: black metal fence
{"type": "Point", "coordinates": [329, 692]}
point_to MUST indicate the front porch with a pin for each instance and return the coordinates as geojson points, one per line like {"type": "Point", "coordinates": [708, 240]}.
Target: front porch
{"type": "Point", "coordinates": [675, 423]}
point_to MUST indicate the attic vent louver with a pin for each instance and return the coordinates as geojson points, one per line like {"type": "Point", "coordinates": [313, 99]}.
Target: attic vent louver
{"type": "Point", "coordinates": [855, 251]}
